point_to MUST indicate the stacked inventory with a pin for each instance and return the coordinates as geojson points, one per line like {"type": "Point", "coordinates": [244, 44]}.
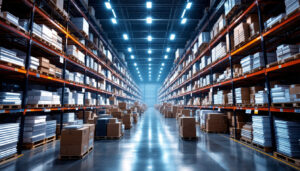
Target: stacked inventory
{"type": "Point", "coordinates": [10, 57]}
{"type": "Point", "coordinates": [284, 51]}
{"type": "Point", "coordinates": [246, 132]}
{"type": "Point", "coordinates": [280, 94]}
{"type": "Point", "coordinates": [261, 130]}
{"type": "Point", "coordinates": [10, 98]}
{"type": "Point", "coordinates": [291, 5]}
{"type": "Point", "coordinates": [247, 64]}
{"type": "Point", "coordinates": [187, 127]}
{"type": "Point", "coordinates": [42, 97]}
{"type": "Point", "coordinates": [287, 137]}
{"type": "Point", "coordinates": [242, 95]}
{"type": "Point", "coordinates": [50, 128]}
{"type": "Point", "coordinates": [9, 133]}
{"type": "Point", "coordinates": [216, 122]}
{"type": "Point", "coordinates": [34, 129]}
{"type": "Point", "coordinates": [258, 59]}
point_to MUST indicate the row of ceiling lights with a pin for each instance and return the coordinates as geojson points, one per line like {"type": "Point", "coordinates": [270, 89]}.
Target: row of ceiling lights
{"type": "Point", "coordinates": [149, 37]}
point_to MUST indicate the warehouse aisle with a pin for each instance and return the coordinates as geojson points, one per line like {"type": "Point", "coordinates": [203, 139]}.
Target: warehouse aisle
{"type": "Point", "coordinates": [153, 144]}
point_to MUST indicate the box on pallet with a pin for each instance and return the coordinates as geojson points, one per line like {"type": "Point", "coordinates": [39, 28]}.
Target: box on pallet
{"type": "Point", "coordinates": [187, 127]}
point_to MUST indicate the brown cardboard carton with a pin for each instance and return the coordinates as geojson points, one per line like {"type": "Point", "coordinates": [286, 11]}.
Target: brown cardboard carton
{"type": "Point", "coordinates": [186, 112]}
{"type": "Point", "coordinates": [112, 120]}
{"type": "Point", "coordinates": [88, 115]}
{"type": "Point", "coordinates": [114, 129]}
{"type": "Point", "coordinates": [122, 105]}
{"type": "Point", "coordinates": [44, 62]}
{"type": "Point", "coordinates": [232, 132]}
{"type": "Point", "coordinates": [186, 121]}
{"type": "Point", "coordinates": [118, 115]}
{"type": "Point", "coordinates": [295, 89]}
{"type": "Point", "coordinates": [74, 142]}
{"type": "Point", "coordinates": [91, 134]}
{"type": "Point", "coordinates": [187, 127]}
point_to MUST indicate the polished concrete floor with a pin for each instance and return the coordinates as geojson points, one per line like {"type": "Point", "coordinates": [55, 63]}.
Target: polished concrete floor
{"type": "Point", "coordinates": [153, 144]}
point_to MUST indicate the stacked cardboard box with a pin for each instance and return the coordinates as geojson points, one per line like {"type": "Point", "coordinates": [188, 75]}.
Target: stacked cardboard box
{"type": "Point", "coordinates": [101, 127]}
{"type": "Point", "coordinates": [34, 129]}
{"type": "Point", "coordinates": [74, 142]}
{"type": "Point", "coordinates": [261, 130]}
{"type": "Point", "coordinates": [34, 62]}
{"type": "Point", "coordinates": [127, 120]}
{"type": "Point", "coordinates": [284, 51]}
{"type": "Point", "coordinates": [281, 94]}
{"type": "Point", "coordinates": [216, 122]}
{"type": "Point", "coordinates": [253, 23]}
{"type": "Point", "coordinates": [247, 63]}
{"type": "Point", "coordinates": [235, 131]}
{"type": "Point", "coordinates": [253, 91]}
{"type": "Point", "coordinates": [10, 98]}
{"type": "Point", "coordinates": [218, 26]}
{"type": "Point", "coordinates": [221, 97]}
{"type": "Point", "coordinates": [10, 56]}
{"type": "Point", "coordinates": [204, 38]}
{"type": "Point", "coordinates": [73, 51]}
{"type": "Point", "coordinates": [240, 121]}
{"type": "Point", "coordinates": [291, 6]}
{"type": "Point", "coordinates": [91, 135]}
{"type": "Point", "coordinates": [187, 127]}
{"type": "Point", "coordinates": [86, 116]}
{"type": "Point", "coordinates": [242, 95]}
{"type": "Point", "coordinates": [9, 133]}
{"type": "Point", "coordinates": [219, 51]}
{"type": "Point", "coordinates": [258, 59]}
{"type": "Point", "coordinates": [44, 65]}
{"type": "Point", "coordinates": [295, 92]}
{"type": "Point", "coordinates": [273, 20]}
{"type": "Point", "coordinates": [122, 105]}
{"type": "Point", "coordinates": [231, 4]}
{"type": "Point", "coordinates": [261, 97]}
{"type": "Point", "coordinates": [11, 18]}
{"type": "Point", "coordinates": [114, 128]}
{"type": "Point", "coordinates": [246, 132]}
{"type": "Point", "coordinates": [241, 33]}
{"type": "Point", "coordinates": [81, 24]}
{"type": "Point", "coordinates": [50, 128]}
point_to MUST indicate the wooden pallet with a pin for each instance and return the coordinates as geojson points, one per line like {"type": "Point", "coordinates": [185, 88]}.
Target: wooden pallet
{"type": "Point", "coordinates": [260, 105]}
{"type": "Point", "coordinates": [84, 34]}
{"type": "Point", "coordinates": [215, 132]}
{"type": "Point", "coordinates": [292, 58]}
{"type": "Point", "coordinates": [74, 157]}
{"type": "Point", "coordinates": [11, 65]}
{"type": "Point", "coordinates": [69, 105]}
{"type": "Point", "coordinates": [8, 159]}
{"type": "Point", "coordinates": [288, 159]}
{"type": "Point", "coordinates": [10, 106]}
{"type": "Point", "coordinates": [38, 106]}
{"type": "Point", "coordinates": [285, 105]}
{"type": "Point", "coordinates": [256, 69]}
{"type": "Point", "coordinates": [189, 138]}
{"type": "Point", "coordinates": [265, 149]}
{"type": "Point", "coordinates": [50, 139]}
{"type": "Point", "coordinates": [107, 138]}
{"type": "Point", "coordinates": [246, 140]}
{"type": "Point", "coordinates": [34, 144]}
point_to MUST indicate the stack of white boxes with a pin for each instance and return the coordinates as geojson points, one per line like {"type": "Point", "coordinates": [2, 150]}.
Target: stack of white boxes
{"type": "Point", "coordinates": [281, 94]}
{"type": "Point", "coordinates": [46, 33]}
{"type": "Point", "coordinates": [81, 24]}
{"type": "Point", "coordinates": [34, 63]}
{"type": "Point", "coordinates": [291, 5]}
{"type": "Point", "coordinates": [68, 96]}
{"type": "Point", "coordinates": [10, 56]}
{"type": "Point", "coordinates": [273, 20]}
{"type": "Point", "coordinates": [261, 97]}
{"type": "Point", "coordinates": [229, 4]}
{"type": "Point", "coordinates": [261, 130]}
{"type": "Point", "coordinates": [67, 117]}
{"type": "Point", "coordinates": [284, 51]}
{"type": "Point", "coordinates": [247, 63]}
{"type": "Point", "coordinates": [69, 75]}
{"type": "Point", "coordinates": [39, 97]}
{"type": "Point", "coordinates": [11, 18]}
{"type": "Point", "coordinates": [78, 77]}
{"type": "Point", "coordinates": [50, 128]}
{"type": "Point", "coordinates": [56, 40]}
{"type": "Point", "coordinates": [78, 98]}
{"type": "Point", "coordinates": [219, 51]}
{"type": "Point", "coordinates": [218, 98]}
{"type": "Point", "coordinates": [10, 98]}
{"type": "Point", "coordinates": [258, 59]}
{"type": "Point", "coordinates": [9, 133]}
{"type": "Point", "coordinates": [73, 51]}
{"type": "Point", "coordinates": [204, 37]}
{"type": "Point", "coordinates": [34, 129]}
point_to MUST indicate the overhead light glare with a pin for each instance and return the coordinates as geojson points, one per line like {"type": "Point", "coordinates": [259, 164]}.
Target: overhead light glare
{"type": "Point", "coordinates": [183, 13]}
{"type": "Point", "coordinates": [172, 36]}
{"type": "Point", "coordinates": [188, 5]}
{"type": "Point", "coordinates": [149, 51]}
{"type": "Point", "coordinates": [113, 11]}
{"type": "Point", "coordinates": [149, 4]}
{"type": "Point", "coordinates": [163, 64]}
{"type": "Point", "coordinates": [135, 64]}
{"type": "Point", "coordinates": [149, 38]}
{"type": "Point", "coordinates": [149, 20]}
{"type": "Point", "coordinates": [129, 49]}
{"type": "Point", "coordinates": [125, 36]}
{"type": "Point", "coordinates": [166, 57]}
{"type": "Point", "coordinates": [183, 21]}
{"type": "Point", "coordinates": [114, 20]}
{"type": "Point", "coordinates": [132, 56]}
{"type": "Point", "coordinates": [149, 59]}
{"type": "Point", "coordinates": [168, 49]}
{"type": "Point", "coordinates": [107, 5]}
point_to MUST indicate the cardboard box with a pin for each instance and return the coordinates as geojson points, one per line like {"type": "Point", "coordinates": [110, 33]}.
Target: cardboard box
{"type": "Point", "coordinates": [187, 127]}
{"type": "Point", "coordinates": [232, 132]}
{"type": "Point", "coordinates": [118, 115]}
{"type": "Point", "coordinates": [91, 134]}
{"type": "Point", "coordinates": [113, 120]}
{"type": "Point", "coordinates": [114, 129]}
{"type": "Point", "coordinates": [122, 105]}
{"type": "Point", "coordinates": [44, 62]}
{"type": "Point", "coordinates": [295, 89]}
{"type": "Point", "coordinates": [185, 112]}
{"type": "Point", "coordinates": [74, 142]}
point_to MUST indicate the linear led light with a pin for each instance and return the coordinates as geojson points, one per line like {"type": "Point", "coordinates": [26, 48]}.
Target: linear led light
{"type": "Point", "coordinates": [161, 68]}
{"type": "Point", "coordinates": [183, 13]}
{"type": "Point", "coordinates": [149, 51]}
{"type": "Point", "coordinates": [149, 4]}
{"type": "Point", "coordinates": [114, 20]}
{"type": "Point", "coordinates": [135, 64]}
{"type": "Point", "coordinates": [149, 20]}
{"type": "Point", "coordinates": [183, 21]}
{"type": "Point", "coordinates": [160, 72]}
{"type": "Point", "coordinates": [137, 68]}
{"type": "Point", "coordinates": [114, 13]}
{"type": "Point", "coordinates": [149, 64]}
{"type": "Point", "coordinates": [172, 36]}
{"type": "Point", "coordinates": [188, 5]}
{"type": "Point", "coordinates": [129, 49]}
{"type": "Point", "coordinates": [166, 57]}
{"type": "Point", "coordinates": [107, 5]}
{"type": "Point", "coordinates": [149, 59]}
{"type": "Point", "coordinates": [163, 64]}
{"type": "Point", "coordinates": [132, 56]}
{"type": "Point", "coordinates": [149, 68]}
{"type": "Point", "coordinates": [168, 49]}
{"type": "Point", "coordinates": [149, 38]}
{"type": "Point", "coordinates": [125, 36]}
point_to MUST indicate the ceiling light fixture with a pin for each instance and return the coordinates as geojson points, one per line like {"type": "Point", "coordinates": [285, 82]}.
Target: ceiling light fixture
{"type": "Point", "coordinates": [149, 4]}
{"type": "Point", "coordinates": [149, 38]}
{"type": "Point", "coordinates": [129, 49]}
{"type": "Point", "coordinates": [183, 13]}
{"type": "Point", "coordinates": [172, 36]}
{"type": "Point", "coordinates": [132, 56]}
{"type": "Point", "coordinates": [135, 64]}
{"type": "Point", "coordinates": [114, 20]}
{"type": "Point", "coordinates": [149, 20]}
{"type": "Point", "coordinates": [149, 59]}
{"type": "Point", "coordinates": [107, 5]}
{"type": "Point", "coordinates": [183, 21]}
{"type": "Point", "coordinates": [168, 49]}
{"type": "Point", "coordinates": [188, 5]}
{"type": "Point", "coordinates": [113, 11]}
{"type": "Point", "coordinates": [149, 51]}
{"type": "Point", "coordinates": [163, 64]}
{"type": "Point", "coordinates": [166, 57]}
{"type": "Point", "coordinates": [125, 36]}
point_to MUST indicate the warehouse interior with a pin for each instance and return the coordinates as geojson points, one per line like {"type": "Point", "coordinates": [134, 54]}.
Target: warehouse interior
{"type": "Point", "coordinates": [149, 85]}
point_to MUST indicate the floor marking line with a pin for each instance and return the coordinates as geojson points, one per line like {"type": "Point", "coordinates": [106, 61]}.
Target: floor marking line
{"type": "Point", "coordinates": [298, 168]}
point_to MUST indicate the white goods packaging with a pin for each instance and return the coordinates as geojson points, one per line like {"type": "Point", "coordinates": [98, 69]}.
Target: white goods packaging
{"type": "Point", "coordinates": [81, 24]}
{"type": "Point", "coordinates": [11, 18]}
{"type": "Point", "coordinates": [9, 134]}
{"type": "Point", "coordinates": [258, 59]}
{"type": "Point", "coordinates": [50, 128]}
{"type": "Point", "coordinates": [261, 97]}
{"type": "Point", "coordinates": [204, 37]}
{"type": "Point", "coordinates": [261, 130]}
{"type": "Point", "coordinates": [10, 98]}
{"type": "Point", "coordinates": [34, 128]}
{"type": "Point", "coordinates": [10, 57]}
{"type": "Point", "coordinates": [219, 51]}
{"type": "Point", "coordinates": [229, 4]}
{"type": "Point", "coordinates": [285, 50]}
{"type": "Point", "coordinates": [273, 20]}
{"type": "Point", "coordinates": [281, 94]}
{"type": "Point", "coordinates": [291, 6]}
{"type": "Point", "coordinates": [247, 63]}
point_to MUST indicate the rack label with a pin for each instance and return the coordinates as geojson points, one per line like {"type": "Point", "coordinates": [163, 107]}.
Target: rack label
{"type": "Point", "coordinates": [219, 109]}
{"type": "Point", "coordinates": [61, 59]}
{"type": "Point", "coordinates": [38, 75]}
{"type": "Point", "coordinates": [76, 108]}
{"type": "Point", "coordinates": [2, 111]}
{"type": "Point", "coordinates": [256, 111]}
{"type": "Point", "coordinates": [248, 111]}
{"type": "Point", "coordinates": [47, 110]}
{"type": "Point", "coordinates": [297, 111]}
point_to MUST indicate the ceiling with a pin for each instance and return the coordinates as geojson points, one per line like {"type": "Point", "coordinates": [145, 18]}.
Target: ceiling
{"type": "Point", "coordinates": [166, 20]}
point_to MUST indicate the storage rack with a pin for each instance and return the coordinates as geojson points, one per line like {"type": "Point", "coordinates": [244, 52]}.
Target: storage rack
{"type": "Point", "coordinates": [46, 12]}
{"type": "Point", "coordinates": [261, 40]}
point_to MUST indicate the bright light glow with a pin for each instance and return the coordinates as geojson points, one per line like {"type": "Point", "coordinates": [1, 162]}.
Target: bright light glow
{"type": "Point", "coordinates": [149, 4]}
{"type": "Point", "coordinates": [163, 64]}
{"type": "Point", "coordinates": [166, 56]}
{"type": "Point", "coordinates": [113, 11]}
{"type": "Point", "coordinates": [149, 20]}
{"type": "Point", "coordinates": [149, 38]}
{"type": "Point", "coordinates": [149, 59]}
{"type": "Point", "coordinates": [129, 49]}
{"type": "Point", "coordinates": [132, 56]}
{"type": "Point", "coordinates": [137, 69]}
{"type": "Point", "coordinates": [188, 5]}
{"type": "Point", "coordinates": [107, 4]}
{"type": "Point", "coordinates": [125, 36]}
{"type": "Point", "coordinates": [135, 64]}
{"type": "Point", "coordinates": [183, 13]}
{"type": "Point", "coordinates": [149, 51]}
{"type": "Point", "coordinates": [149, 72]}
{"type": "Point", "coordinates": [172, 36]}
{"type": "Point", "coordinates": [114, 21]}
{"type": "Point", "coordinates": [183, 21]}
{"type": "Point", "coordinates": [168, 49]}
{"type": "Point", "coordinates": [149, 64]}
{"type": "Point", "coordinates": [161, 68]}
{"type": "Point", "coordinates": [160, 73]}
{"type": "Point", "coordinates": [149, 68]}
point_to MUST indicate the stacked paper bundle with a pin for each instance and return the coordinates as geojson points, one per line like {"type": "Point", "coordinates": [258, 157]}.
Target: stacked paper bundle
{"type": "Point", "coordinates": [241, 33]}
{"type": "Point", "coordinates": [261, 130]}
{"type": "Point", "coordinates": [219, 51]}
{"type": "Point", "coordinates": [78, 77]}
{"type": "Point", "coordinates": [67, 117]}
{"type": "Point", "coordinates": [68, 96]}
{"type": "Point", "coordinates": [39, 97]}
{"type": "Point", "coordinates": [258, 59]}
{"type": "Point", "coordinates": [56, 40]}
{"type": "Point", "coordinates": [78, 98]}
{"type": "Point", "coordinates": [10, 56]}
{"type": "Point", "coordinates": [50, 128]}
{"type": "Point", "coordinates": [270, 22]}
{"type": "Point", "coordinates": [46, 33]}
{"type": "Point", "coordinates": [287, 137]}
{"type": "Point", "coordinates": [284, 51]}
{"type": "Point", "coordinates": [73, 51]}
{"type": "Point", "coordinates": [204, 37]}
{"type": "Point", "coordinates": [242, 95]}
{"type": "Point", "coordinates": [34, 63]}
{"type": "Point", "coordinates": [10, 98]}
{"type": "Point", "coordinates": [229, 4]}
{"type": "Point", "coordinates": [55, 98]}
{"type": "Point", "coordinates": [34, 129]}
{"type": "Point", "coordinates": [247, 131]}
{"type": "Point", "coordinates": [280, 94]}
{"type": "Point", "coordinates": [291, 5]}
{"type": "Point", "coordinates": [247, 64]}
{"type": "Point", "coordinates": [11, 18]}
{"type": "Point", "coordinates": [9, 133]}
{"type": "Point", "coordinates": [261, 97]}
{"type": "Point", "coordinates": [220, 98]}
{"type": "Point", "coordinates": [81, 24]}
